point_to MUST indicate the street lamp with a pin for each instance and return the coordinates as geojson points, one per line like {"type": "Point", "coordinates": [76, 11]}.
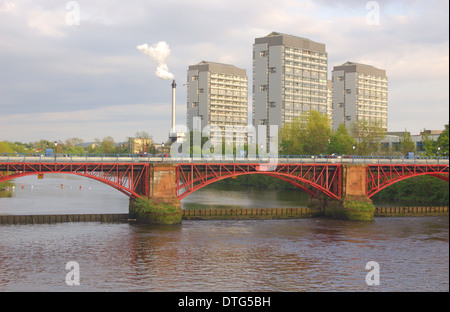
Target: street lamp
{"type": "Point", "coordinates": [439, 150]}
{"type": "Point", "coordinates": [162, 152]}
{"type": "Point", "coordinates": [56, 143]}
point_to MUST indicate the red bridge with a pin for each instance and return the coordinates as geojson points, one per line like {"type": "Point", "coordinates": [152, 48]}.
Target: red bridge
{"type": "Point", "coordinates": [168, 182]}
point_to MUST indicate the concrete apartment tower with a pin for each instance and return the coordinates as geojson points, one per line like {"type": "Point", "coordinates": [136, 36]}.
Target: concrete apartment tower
{"type": "Point", "coordinates": [218, 95]}
{"type": "Point", "coordinates": [360, 92]}
{"type": "Point", "coordinates": [330, 99]}
{"type": "Point", "coordinates": [289, 78]}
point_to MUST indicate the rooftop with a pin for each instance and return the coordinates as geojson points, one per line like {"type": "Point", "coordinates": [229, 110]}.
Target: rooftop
{"type": "Point", "coordinates": [219, 68]}
{"type": "Point", "coordinates": [352, 67]}
{"type": "Point", "coordinates": [276, 38]}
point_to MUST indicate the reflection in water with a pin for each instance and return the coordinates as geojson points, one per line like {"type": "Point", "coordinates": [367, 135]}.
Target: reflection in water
{"type": "Point", "coordinates": [245, 255]}
{"type": "Point", "coordinates": [219, 255]}
{"type": "Point", "coordinates": [63, 194]}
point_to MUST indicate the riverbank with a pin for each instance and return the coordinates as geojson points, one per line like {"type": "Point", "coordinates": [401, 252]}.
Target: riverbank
{"type": "Point", "coordinates": [222, 214]}
{"type": "Point", "coordinates": [421, 190]}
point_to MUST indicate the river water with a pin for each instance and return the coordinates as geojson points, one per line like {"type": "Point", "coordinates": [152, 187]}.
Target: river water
{"type": "Point", "coordinates": [231, 255]}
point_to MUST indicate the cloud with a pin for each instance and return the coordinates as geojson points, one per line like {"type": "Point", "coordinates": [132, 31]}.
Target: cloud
{"type": "Point", "coordinates": [58, 75]}
{"type": "Point", "coordinates": [118, 121]}
{"type": "Point", "coordinates": [8, 7]}
{"type": "Point", "coordinates": [47, 23]}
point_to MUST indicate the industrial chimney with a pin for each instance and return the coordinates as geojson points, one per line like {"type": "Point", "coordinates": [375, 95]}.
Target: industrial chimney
{"type": "Point", "coordinates": [173, 133]}
{"type": "Point", "coordinates": [174, 91]}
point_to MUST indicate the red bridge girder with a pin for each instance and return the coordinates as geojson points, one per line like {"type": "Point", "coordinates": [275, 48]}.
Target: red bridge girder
{"type": "Point", "coordinates": [312, 178]}
{"type": "Point", "coordinates": [381, 176]}
{"type": "Point", "coordinates": [129, 178]}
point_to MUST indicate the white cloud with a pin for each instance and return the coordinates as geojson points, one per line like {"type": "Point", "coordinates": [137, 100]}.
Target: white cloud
{"type": "Point", "coordinates": [117, 121]}
{"type": "Point", "coordinates": [8, 7]}
{"type": "Point", "coordinates": [47, 23]}
{"type": "Point", "coordinates": [52, 72]}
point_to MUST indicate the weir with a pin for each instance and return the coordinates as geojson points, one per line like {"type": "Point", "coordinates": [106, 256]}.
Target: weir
{"type": "Point", "coordinates": [221, 214]}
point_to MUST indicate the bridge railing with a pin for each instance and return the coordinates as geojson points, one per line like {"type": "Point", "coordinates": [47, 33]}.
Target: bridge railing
{"type": "Point", "coordinates": [282, 159]}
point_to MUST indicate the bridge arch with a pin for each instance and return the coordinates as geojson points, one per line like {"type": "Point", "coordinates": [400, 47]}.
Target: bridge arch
{"type": "Point", "coordinates": [313, 179]}
{"type": "Point", "coordinates": [124, 178]}
{"type": "Point", "coordinates": [380, 178]}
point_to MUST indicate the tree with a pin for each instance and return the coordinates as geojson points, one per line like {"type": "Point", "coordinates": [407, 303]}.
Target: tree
{"type": "Point", "coordinates": [442, 142]}
{"type": "Point", "coordinates": [367, 135]}
{"type": "Point", "coordinates": [291, 134]}
{"type": "Point", "coordinates": [74, 146]}
{"type": "Point", "coordinates": [142, 135]}
{"type": "Point", "coordinates": [318, 129]}
{"type": "Point", "coordinates": [5, 148]}
{"type": "Point", "coordinates": [406, 143]}
{"type": "Point", "coordinates": [306, 135]}
{"type": "Point", "coordinates": [341, 141]}
{"type": "Point", "coordinates": [108, 146]}
{"type": "Point", "coordinates": [74, 142]}
{"type": "Point", "coordinates": [428, 144]}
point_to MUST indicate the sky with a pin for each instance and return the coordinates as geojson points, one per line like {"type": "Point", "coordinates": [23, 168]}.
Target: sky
{"type": "Point", "coordinates": [72, 68]}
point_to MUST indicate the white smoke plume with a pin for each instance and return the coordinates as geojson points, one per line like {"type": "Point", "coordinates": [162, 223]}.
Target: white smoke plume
{"type": "Point", "coordinates": [159, 52]}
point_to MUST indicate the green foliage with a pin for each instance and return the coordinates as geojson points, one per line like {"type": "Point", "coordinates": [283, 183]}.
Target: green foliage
{"type": "Point", "coordinates": [442, 142]}
{"type": "Point", "coordinates": [290, 138]}
{"type": "Point", "coordinates": [406, 143]}
{"type": "Point", "coordinates": [368, 135]}
{"type": "Point", "coordinates": [359, 205]}
{"type": "Point", "coordinates": [108, 146]}
{"type": "Point", "coordinates": [5, 147]}
{"type": "Point", "coordinates": [255, 180]}
{"type": "Point", "coordinates": [429, 145]}
{"type": "Point", "coordinates": [418, 190]}
{"type": "Point", "coordinates": [306, 135]}
{"type": "Point", "coordinates": [145, 205]}
{"type": "Point", "coordinates": [341, 142]}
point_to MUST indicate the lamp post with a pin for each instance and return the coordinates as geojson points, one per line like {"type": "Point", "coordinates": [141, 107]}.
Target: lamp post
{"type": "Point", "coordinates": [56, 144]}
{"type": "Point", "coordinates": [353, 152]}
{"type": "Point", "coordinates": [162, 152]}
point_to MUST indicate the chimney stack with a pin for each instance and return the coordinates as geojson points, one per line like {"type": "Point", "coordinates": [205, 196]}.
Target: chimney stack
{"type": "Point", "coordinates": [174, 88]}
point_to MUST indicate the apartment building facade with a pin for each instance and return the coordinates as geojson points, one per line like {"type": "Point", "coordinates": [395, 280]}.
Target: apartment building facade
{"type": "Point", "coordinates": [289, 78]}
{"type": "Point", "coordinates": [217, 94]}
{"type": "Point", "coordinates": [360, 92]}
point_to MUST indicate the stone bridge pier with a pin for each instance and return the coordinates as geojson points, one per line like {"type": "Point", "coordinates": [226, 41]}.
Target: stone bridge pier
{"type": "Point", "coordinates": [354, 203]}
{"type": "Point", "coordinates": [162, 205]}
{"type": "Point", "coordinates": [163, 183]}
